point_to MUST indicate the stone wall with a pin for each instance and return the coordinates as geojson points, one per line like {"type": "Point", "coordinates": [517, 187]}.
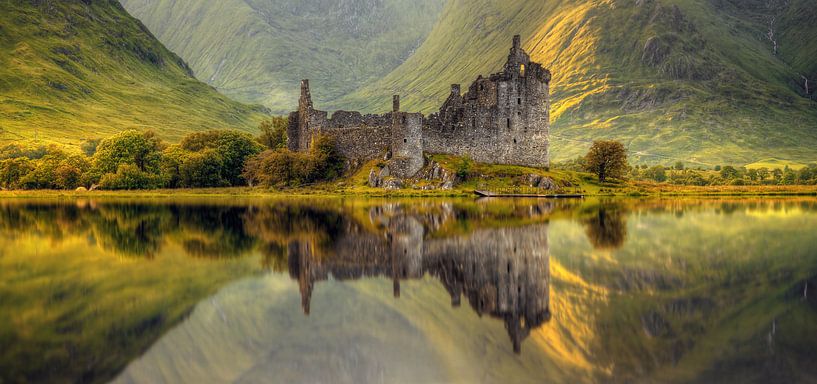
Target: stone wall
{"type": "Point", "coordinates": [502, 119]}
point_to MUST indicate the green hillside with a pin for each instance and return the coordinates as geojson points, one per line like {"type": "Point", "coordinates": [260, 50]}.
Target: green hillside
{"type": "Point", "coordinates": [258, 50]}
{"type": "Point", "coordinates": [73, 70]}
{"type": "Point", "coordinates": [690, 80]}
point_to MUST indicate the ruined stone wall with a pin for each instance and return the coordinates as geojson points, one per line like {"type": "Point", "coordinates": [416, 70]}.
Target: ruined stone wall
{"type": "Point", "coordinates": [406, 144]}
{"type": "Point", "coordinates": [502, 119]}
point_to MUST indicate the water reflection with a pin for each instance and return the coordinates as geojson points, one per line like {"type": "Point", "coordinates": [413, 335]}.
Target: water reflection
{"type": "Point", "coordinates": [502, 272]}
{"type": "Point", "coordinates": [619, 290]}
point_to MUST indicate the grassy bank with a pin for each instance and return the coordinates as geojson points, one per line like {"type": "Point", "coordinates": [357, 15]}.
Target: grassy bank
{"type": "Point", "coordinates": [344, 189]}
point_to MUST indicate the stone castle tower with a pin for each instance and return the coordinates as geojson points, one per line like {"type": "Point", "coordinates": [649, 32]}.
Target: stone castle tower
{"type": "Point", "coordinates": [501, 119]}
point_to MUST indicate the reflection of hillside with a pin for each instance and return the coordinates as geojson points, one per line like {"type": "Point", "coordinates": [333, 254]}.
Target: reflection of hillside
{"type": "Point", "coordinates": [501, 272]}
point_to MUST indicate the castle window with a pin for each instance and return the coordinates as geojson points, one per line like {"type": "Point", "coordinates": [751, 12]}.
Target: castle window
{"type": "Point", "coordinates": [514, 140]}
{"type": "Point", "coordinates": [405, 140]}
{"type": "Point", "coordinates": [508, 123]}
{"type": "Point", "coordinates": [519, 101]}
{"type": "Point", "coordinates": [522, 70]}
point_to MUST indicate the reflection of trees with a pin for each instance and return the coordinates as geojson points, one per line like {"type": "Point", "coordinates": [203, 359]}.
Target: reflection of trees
{"type": "Point", "coordinates": [607, 229]}
{"type": "Point", "coordinates": [214, 231]}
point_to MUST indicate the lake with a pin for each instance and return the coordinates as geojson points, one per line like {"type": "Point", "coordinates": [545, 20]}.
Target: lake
{"type": "Point", "coordinates": [408, 291]}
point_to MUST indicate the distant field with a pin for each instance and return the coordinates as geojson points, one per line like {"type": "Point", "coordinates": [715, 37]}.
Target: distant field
{"type": "Point", "coordinates": [776, 164]}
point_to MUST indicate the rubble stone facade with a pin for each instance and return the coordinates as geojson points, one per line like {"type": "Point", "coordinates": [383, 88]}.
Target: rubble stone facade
{"type": "Point", "coordinates": [501, 119]}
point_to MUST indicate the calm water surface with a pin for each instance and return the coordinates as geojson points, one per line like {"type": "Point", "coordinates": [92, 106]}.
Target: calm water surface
{"type": "Point", "coordinates": [414, 291]}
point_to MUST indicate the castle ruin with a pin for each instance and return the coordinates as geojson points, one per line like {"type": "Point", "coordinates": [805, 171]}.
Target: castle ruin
{"type": "Point", "coordinates": [501, 119]}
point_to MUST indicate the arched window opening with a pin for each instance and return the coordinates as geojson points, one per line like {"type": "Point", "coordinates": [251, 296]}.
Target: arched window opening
{"type": "Point", "coordinates": [522, 70]}
{"type": "Point", "coordinates": [508, 122]}
{"type": "Point", "coordinates": [518, 101]}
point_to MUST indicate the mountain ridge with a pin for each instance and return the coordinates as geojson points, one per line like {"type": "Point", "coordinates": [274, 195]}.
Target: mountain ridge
{"type": "Point", "coordinates": [262, 51]}
{"type": "Point", "coordinates": [76, 70]}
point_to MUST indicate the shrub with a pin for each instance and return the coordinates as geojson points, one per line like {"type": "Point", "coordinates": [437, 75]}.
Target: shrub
{"type": "Point", "coordinates": [274, 132]}
{"type": "Point", "coordinates": [202, 170]}
{"type": "Point", "coordinates": [129, 177]}
{"type": "Point", "coordinates": [13, 170]}
{"type": "Point", "coordinates": [140, 149]}
{"type": "Point", "coordinates": [234, 148]}
{"type": "Point", "coordinates": [464, 168]}
{"type": "Point", "coordinates": [285, 168]}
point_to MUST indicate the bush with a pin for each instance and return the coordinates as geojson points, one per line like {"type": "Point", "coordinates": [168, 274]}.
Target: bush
{"type": "Point", "coordinates": [656, 173]}
{"type": "Point", "coordinates": [129, 177]}
{"type": "Point", "coordinates": [285, 168]}
{"type": "Point", "coordinates": [464, 168]}
{"type": "Point", "coordinates": [234, 148]}
{"type": "Point", "coordinates": [274, 132]}
{"type": "Point", "coordinates": [202, 170]}
{"type": "Point", "coordinates": [140, 149]}
{"type": "Point", "coordinates": [13, 170]}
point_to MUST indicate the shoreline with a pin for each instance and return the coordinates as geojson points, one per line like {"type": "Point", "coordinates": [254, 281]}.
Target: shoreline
{"type": "Point", "coordinates": [635, 191]}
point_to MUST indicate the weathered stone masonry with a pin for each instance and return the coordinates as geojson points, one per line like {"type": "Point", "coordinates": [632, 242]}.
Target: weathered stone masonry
{"type": "Point", "coordinates": [502, 119]}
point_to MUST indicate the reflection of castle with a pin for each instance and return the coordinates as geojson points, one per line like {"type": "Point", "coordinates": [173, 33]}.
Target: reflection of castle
{"type": "Point", "coordinates": [502, 272]}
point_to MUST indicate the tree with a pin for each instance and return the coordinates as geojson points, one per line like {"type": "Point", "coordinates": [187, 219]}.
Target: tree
{"type": "Point", "coordinates": [717, 168]}
{"type": "Point", "coordinates": [140, 149]}
{"type": "Point", "coordinates": [762, 174]}
{"type": "Point", "coordinates": [327, 161]}
{"type": "Point", "coordinates": [729, 172]}
{"type": "Point", "coordinates": [679, 166]}
{"type": "Point", "coordinates": [13, 170]}
{"type": "Point", "coordinates": [129, 176]}
{"type": "Point", "coordinates": [656, 173]}
{"type": "Point", "coordinates": [202, 170]}
{"type": "Point", "coordinates": [607, 159]}
{"type": "Point", "coordinates": [233, 147]}
{"type": "Point", "coordinates": [274, 132]}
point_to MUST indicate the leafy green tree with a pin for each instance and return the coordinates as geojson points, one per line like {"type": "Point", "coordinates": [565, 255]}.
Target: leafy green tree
{"type": "Point", "coordinates": [327, 162]}
{"type": "Point", "coordinates": [763, 174]}
{"type": "Point", "coordinates": [233, 147]}
{"type": "Point", "coordinates": [607, 159]}
{"type": "Point", "coordinates": [753, 174]}
{"type": "Point", "coordinates": [129, 177]}
{"type": "Point", "coordinates": [13, 170]}
{"type": "Point", "coordinates": [202, 170]}
{"type": "Point", "coordinates": [140, 149]}
{"type": "Point", "coordinates": [789, 176]}
{"type": "Point", "coordinates": [172, 159]}
{"type": "Point", "coordinates": [274, 132]}
{"type": "Point", "coordinates": [656, 173]}
{"type": "Point", "coordinates": [728, 172]}
{"type": "Point", "coordinates": [679, 166]}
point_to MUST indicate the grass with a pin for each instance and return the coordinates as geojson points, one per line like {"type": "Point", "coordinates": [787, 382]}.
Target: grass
{"type": "Point", "coordinates": [71, 71]}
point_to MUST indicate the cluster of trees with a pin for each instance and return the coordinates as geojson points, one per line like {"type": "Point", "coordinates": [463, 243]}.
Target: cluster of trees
{"type": "Point", "coordinates": [608, 160]}
{"type": "Point", "coordinates": [141, 160]}
{"type": "Point", "coordinates": [678, 174]}
{"type": "Point", "coordinates": [281, 167]}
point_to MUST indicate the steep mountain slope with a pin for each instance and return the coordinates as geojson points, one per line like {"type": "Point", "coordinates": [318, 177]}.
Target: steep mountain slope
{"type": "Point", "coordinates": [77, 69]}
{"type": "Point", "coordinates": [692, 80]}
{"type": "Point", "coordinates": [259, 50]}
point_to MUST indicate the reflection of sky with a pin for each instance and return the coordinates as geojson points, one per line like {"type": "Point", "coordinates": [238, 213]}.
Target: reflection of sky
{"type": "Point", "coordinates": [254, 331]}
